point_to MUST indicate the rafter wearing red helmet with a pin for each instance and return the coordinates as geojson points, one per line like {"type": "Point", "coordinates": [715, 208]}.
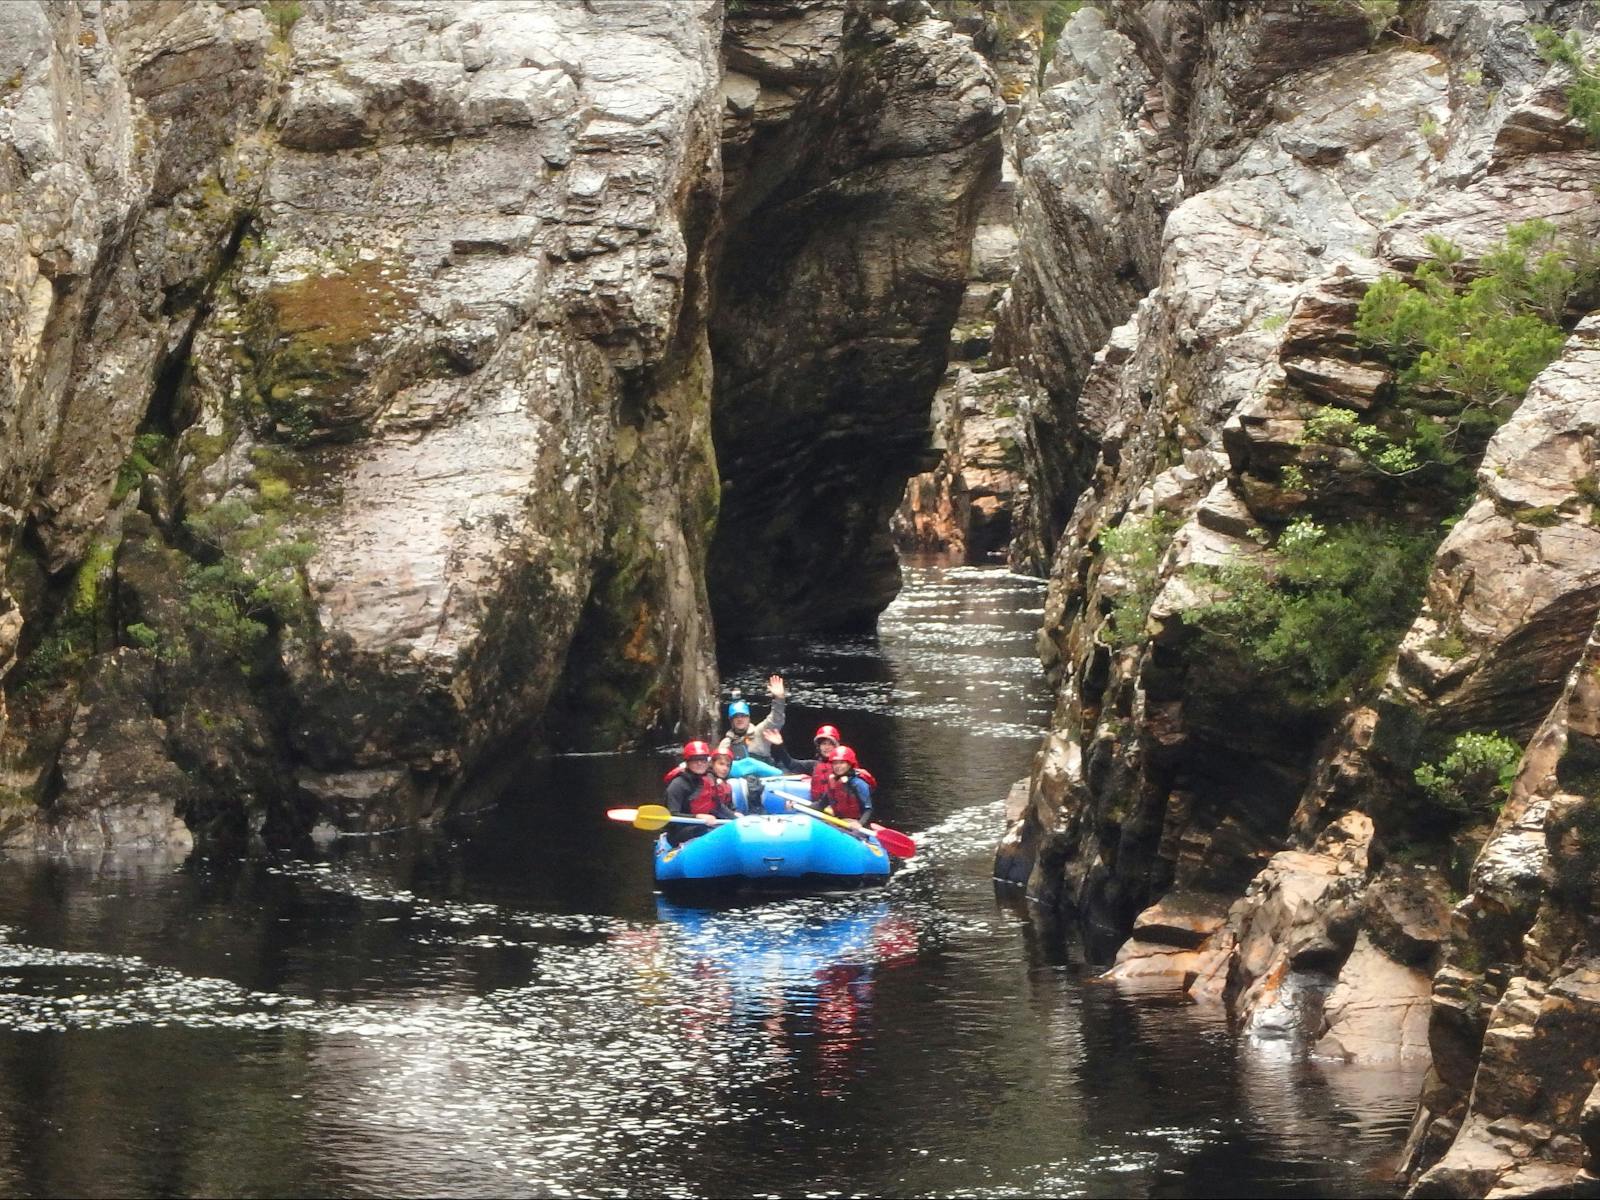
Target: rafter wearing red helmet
{"type": "Point", "coordinates": [698, 792]}
{"type": "Point", "coordinates": [847, 795]}
{"type": "Point", "coordinates": [827, 739]}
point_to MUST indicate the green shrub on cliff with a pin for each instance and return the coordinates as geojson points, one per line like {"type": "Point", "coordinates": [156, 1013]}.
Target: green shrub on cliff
{"type": "Point", "coordinates": [141, 635]}
{"type": "Point", "coordinates": [1056, 15]}
{"type": "Point", "coordinates": [1316, 623]}
{"type": "Point", "coordinates": [1474, 345]}
{"type": "Point", "coordinates": [1583, 94]}
{"type": "Point", "coordinates": [1134, 549]}
{"type": "Point", "coordinates": [251, 576]}
{"type": "Point", "coordinates": [1331, 426]}
{"type": "Point", "coordinates": [1475, 777]}
{"type": "Point", "coordinates": [282, 16]}
{"type": "Point", "coordinates": [148, 449]}
{"type": "Point", "coordinates": [1011, 17]}
{"type": "Point", "coordinates": [1465, 347]}
{"type": "Point", "coordinates": [80, 628]}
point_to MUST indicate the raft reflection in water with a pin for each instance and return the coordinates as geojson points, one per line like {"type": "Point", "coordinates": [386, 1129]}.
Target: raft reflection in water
{"type": "Point", "coordinates": [803, 976]}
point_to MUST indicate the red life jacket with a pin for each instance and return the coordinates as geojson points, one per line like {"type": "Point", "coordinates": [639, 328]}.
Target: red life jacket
{"type": "Point", "coordinates": [841, 797]}
{"type": "Point", "coordinates": [820, 774]}
{"type": "Point", "coordinates": [823, 771]}
{"type": "Point", "coordinates": [713, 792]}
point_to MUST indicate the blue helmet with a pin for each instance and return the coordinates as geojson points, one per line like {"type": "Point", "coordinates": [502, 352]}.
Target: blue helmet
{"type": "Point", "coordinates": [738, 709]}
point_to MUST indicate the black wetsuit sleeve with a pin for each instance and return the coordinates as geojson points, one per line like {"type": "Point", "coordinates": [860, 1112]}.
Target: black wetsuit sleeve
{"type": "Point", "coordinates": [679, 792]}
{"type": "Point", "coordinates": [795, 766]}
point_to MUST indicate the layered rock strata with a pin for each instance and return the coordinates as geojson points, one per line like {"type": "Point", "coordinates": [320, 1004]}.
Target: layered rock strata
{"type": "Point", "coordinates": [1207, 194]}
{"type": "Point", "coordinates": [964, 506]}
{"type": "Point", "coordinates": [407, 306]}
{"type": "Point", "coordinates": [1511, 1103]}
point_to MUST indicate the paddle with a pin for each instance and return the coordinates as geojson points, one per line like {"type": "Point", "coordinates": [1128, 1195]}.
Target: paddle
{"type": "Point", "coordinates": [653, 816]}
{"type": "Point", "coordinates": [896, 843]}
{"type": "Point", "coordinates": [892, 840]}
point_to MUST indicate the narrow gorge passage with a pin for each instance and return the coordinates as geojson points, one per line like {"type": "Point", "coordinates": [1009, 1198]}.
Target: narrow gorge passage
{"type": "Point", "coordinates": [507, 1009]}
{"type": "Point", "coordinates": [404, 402]}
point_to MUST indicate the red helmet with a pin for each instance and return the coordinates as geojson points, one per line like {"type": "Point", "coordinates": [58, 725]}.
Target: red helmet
{"type": "Point", "coordinates": [722, 752]}
{"type": "Point", "coordinates": [696, 750]}
{"type": "Point", "coordinates": [829, 732]}
{"type": "Point", "coordinates": [843, 754]}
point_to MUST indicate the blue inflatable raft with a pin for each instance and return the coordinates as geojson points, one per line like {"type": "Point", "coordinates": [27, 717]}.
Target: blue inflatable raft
{"type": "Point", "coordinates": [773, 848]}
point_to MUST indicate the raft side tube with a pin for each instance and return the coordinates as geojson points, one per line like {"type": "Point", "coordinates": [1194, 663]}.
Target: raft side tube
{"type": "Point", "coordinates": [788, 847]}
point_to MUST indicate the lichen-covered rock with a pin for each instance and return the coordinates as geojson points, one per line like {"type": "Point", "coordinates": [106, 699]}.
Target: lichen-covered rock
{"type": "Point", "coordinates": [128, 153]}
{"type": "Point", "coordinates": [126, 156]}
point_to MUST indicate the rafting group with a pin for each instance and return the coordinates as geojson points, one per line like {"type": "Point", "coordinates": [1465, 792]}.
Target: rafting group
{"type": "Point", "coordinates": [747, 813]}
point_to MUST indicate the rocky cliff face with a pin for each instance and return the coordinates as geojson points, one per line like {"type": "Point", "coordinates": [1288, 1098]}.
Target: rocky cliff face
{"type": "Point", "coordinates": [1512, 1103]}
{"type": "Point", "coordinates": [360, 422]}
{"type": "Point", "coordinates": [359, 400]}
{"type": "Point", "coordinates": [1207, 193]}
{"type": "Point", "coordinates": [964, 505]}
{"type": "Point", "coordinates": [845, 255]}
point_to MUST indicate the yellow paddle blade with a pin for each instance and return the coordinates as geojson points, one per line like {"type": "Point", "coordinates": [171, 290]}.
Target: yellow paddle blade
{"type": "Point", "coordinates": [820, 815]}
{"type": "Point", "coordinates": [652, 816]}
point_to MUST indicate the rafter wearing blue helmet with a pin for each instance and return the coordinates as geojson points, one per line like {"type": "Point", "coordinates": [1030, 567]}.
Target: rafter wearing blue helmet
{"type": "Point", "coordinates": [743, 738]}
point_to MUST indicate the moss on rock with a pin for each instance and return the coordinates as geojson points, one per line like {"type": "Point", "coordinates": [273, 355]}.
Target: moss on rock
{"type": "Point", "coordinates": [309, 347]}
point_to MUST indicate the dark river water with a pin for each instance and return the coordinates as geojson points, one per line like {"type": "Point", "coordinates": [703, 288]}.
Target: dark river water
{"type": "Point", "coordinates": [506, 1008]}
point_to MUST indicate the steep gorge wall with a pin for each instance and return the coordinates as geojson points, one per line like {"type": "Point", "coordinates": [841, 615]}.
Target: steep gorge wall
{"type": "Point", "coordinates": [360, 377]}
{"type": "Point", "coordinates": [1207, 192]}
{"type": "Point", "coordinates": [361, 424]}
{"type": "Point", "coordinates": [1146, 433]}
{"type": "Point", "coordinates": [964, 505]}
{"type": "Point", "coordinates": [848, 232]}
